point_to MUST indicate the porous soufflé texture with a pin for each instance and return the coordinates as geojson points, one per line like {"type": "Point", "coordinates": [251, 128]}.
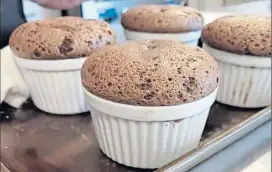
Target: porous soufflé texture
{"type": "Point", "coordinates": [150, 73]}
{"type": "Point", "coordinates": [162, 19]}
{"type": "Point", "coordinates": [60, 38]}
{"type": "Point", "coordinates": [246, 35]}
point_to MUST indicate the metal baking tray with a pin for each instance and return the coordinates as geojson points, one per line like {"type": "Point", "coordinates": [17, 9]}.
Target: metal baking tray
{"type": "Point", "coordinates": [34, 141]}
{"type": "Point", "coordinates": [225, 125]}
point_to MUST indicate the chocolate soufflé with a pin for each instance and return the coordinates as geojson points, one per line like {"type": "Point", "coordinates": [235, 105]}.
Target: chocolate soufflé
{"type": "Point", "coordinates": [241, 34]}
{"type": "Point", "coordinates": [150, 73]}
{"type": "Point", "coordinates": [60, 38]}
{"type": "Point", "coordinates": [162, 19]}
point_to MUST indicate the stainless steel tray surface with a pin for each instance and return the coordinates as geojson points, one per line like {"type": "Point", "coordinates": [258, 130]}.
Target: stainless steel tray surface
{"type": "Point", "coordinates": [33, 141]}
{"type": "Point", "coordinates": [225, 125]}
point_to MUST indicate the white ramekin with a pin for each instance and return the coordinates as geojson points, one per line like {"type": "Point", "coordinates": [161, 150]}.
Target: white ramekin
{"type": "Point", "coordinates": [148, 137]}
{"type": "Point", "coordinates": [188, 37]}
{"type": "Point", "coordinates": [55, 85]}
{"type": "Point", "coordinates": [245, 81]}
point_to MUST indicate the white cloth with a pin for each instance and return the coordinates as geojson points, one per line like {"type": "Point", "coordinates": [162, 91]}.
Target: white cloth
{"type": "Point", "coordinates": [13, 88]}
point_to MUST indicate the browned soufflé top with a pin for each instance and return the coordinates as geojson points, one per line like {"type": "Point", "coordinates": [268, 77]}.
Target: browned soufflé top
{"type": "Point", "coordinates": [60, 38]}
{"type": "Point", "coordinates": [150, 73]}
{"type": "Point", "coordinates": [243, 34]}
{"type": "Point", "coordinates": [162, 19]}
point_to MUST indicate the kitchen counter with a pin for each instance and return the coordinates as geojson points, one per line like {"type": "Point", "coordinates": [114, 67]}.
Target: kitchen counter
{"type": "Point", "coordinates": [244, 155]}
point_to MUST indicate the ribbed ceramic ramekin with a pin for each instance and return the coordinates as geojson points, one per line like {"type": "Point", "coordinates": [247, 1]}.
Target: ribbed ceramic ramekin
{"type": "Point", "coordinates": [148, 137]}
{"type": "Point", "coordinates": [55, 85]}
{"type": "Point", "coordinates": [190, 38]}
{"type": "Point", "coordinates": [245, 81]}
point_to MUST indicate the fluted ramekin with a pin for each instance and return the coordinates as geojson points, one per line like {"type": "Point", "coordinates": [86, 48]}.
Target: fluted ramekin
{"type": "Point", "coordinates": [245, 81]}
{"type": "Point", "coordinates": [190, 38]}
{"type": "Point", "coordinates": [55, 85]}
{"type": "Point", "coordinates": [145, 136]}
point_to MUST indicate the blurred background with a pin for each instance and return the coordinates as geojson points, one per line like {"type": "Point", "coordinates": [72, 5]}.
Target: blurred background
{"type": "Point", "coordinates": [110, 10]}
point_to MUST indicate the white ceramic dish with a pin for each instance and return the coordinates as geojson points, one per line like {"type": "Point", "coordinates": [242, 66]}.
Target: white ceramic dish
{"type": "Point", "coordinates": [245, 81]}
{"type": "Point", "coordinates": [148, 137]}
{"type": "Point", "coordinates": [55, 85]}
{"type": "Point", "coordinates": [188, 37]}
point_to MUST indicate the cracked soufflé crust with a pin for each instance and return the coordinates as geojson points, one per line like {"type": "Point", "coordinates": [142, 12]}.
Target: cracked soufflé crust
{"type": "Point", "coordinates": [241, 34]}
{"type": "Point", "coordinates": [162, 19]}
{"type": "Point", "coordinates": [150, 73]}
{"type": "Point", "coordinates": [60, 38]}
